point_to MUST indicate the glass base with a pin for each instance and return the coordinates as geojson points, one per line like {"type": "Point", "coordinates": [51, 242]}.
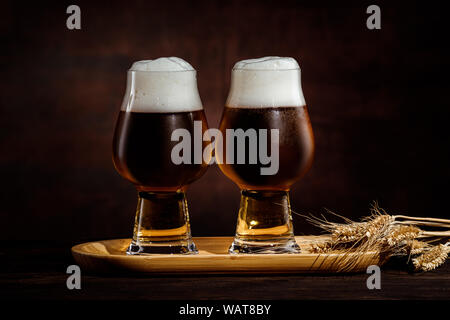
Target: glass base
{"type": "Point", "coordinates": [162, 225]}
{"type": "Point", "coordinates": [264, 246]}
{"type": "Point", "coordinates": [264, 224]}
{"type": "Point", "coordinates": [162, 247]}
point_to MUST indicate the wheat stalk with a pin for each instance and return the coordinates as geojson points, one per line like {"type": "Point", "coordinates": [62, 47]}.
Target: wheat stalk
{"type": "Point", "coordinates": [321, 247]}
{"type": "Point", "coordinates": [417, 247]}
{"type": "Point", "coordinates": [411, 248]}
{"type": "Point", "coordinates": [433, 221]}
{"type": "Point", "coordinates": [382, 234]}
{"type": "Point", "coordinates": [401, 233]}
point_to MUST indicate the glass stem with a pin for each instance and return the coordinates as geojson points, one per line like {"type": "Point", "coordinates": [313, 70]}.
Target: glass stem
{"type": "Point", "coordinates": [162, 224]}
{"type": "Point", "coordinates": [264, 223]}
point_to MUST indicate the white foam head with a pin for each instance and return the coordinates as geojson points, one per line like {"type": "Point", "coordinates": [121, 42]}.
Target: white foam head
{"type": "Point", "coordinates": [266, 82]}
{"type": "Point", "coordinates": [162, 85]}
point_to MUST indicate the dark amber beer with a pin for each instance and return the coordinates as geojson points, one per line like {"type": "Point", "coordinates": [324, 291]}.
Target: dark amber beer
{"type": "Point", "coordinates": [142, 150]}
{"type": "Point", "coordinates": [161, 97]}
{"type": "Point", "coordinates": [296, 146]}
{"type": "Point", "coordinates": [266, 95]}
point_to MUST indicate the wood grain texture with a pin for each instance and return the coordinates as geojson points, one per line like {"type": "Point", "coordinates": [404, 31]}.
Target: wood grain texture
{"type": "Point", "coordinates": [110, 256]}
{"type": "Point", "coordinates": [37, 271]}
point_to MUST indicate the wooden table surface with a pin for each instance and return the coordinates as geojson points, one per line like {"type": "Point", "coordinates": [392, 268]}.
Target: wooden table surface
{"type": "Point", "coordinates": [38, 271]}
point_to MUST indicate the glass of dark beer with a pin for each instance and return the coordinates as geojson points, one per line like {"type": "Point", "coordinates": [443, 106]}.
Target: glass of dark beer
{"type": "Point", "coordinates": [161, 96]}
{"type": "Point", "coordinates": [265, 101]}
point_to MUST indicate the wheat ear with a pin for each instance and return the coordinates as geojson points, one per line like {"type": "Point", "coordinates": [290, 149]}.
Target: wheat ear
{"type": "Point", "coordinates": [432, 258]}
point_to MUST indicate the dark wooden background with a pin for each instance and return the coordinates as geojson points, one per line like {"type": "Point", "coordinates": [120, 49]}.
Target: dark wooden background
{"type": "Point", "coordinates": [378, 101]}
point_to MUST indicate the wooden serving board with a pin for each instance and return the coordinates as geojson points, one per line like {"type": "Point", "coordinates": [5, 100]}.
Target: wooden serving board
{"type": "Point", "coordinates": [109, 256]}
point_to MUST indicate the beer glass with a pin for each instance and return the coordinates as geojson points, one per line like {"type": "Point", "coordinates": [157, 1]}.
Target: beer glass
{"type": "Point", "coordinates": [160, 98]}
{"type": "Point", "coordinates": [265, 113]}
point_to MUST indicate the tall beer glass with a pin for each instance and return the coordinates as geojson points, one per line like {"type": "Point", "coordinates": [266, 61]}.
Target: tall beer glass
{"type": "Point", "coordinates": [265, 104]}
{"type": "Point", "coordinates": [161, 97]}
